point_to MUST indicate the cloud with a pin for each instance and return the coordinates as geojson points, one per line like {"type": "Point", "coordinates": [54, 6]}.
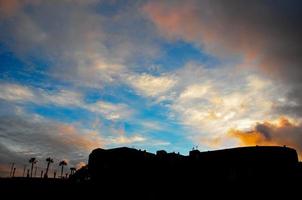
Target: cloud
{"type": "Point", "coordinates": [23, 137]}
{"type": "Point", "coordinates": [81, 43]}
{"type": "Point", "coordinates": [209, 101]}
{"type": "Point", "coordinates": [282, 132]}
{"type": "Point", "coordinates": [110, 111]}
{"type": "Point", "coordinates": [61, 98]}
{"type": "Point", "coordinates": [122, 140]}
{"type": "Point", "coordinates": [195, 92]}
{"type": "Point", "coordinates": [151, 86]}
{"type": "Point", "coordinates": [264, 33]}
{"type": "Point", "coordinates": [9, 8]}
{"type": "Point", "coordinates": [14, 92]}
{"type": "Point", "coordinates": [65, 98]}
{"type": "Point", "coordinates": [34, 136]}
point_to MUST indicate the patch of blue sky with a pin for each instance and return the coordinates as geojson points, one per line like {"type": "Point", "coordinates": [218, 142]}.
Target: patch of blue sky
{"type": "Point", "coordinates": [30, 71]}
{"type": "Point", "coordinates": [62, 114]}
{"type": "Point", "coordinates": [109, 93]}
{"type": "Point", "coordinates": [176, 54]}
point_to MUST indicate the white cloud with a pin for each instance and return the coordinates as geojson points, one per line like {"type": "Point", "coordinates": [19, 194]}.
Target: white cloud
{"type": "Point", "coordinates": [63, 98]}
{"type": "Point", "coordinates": [14, 92]}
{"type": "Point", "coordinates": [122, 140]}
{"type": "Point", "coordinates": [151, 86]}
{"type": "Point", "coordinates": [109, 110]}
{"type": "Point", "coordinates": [195, 91]}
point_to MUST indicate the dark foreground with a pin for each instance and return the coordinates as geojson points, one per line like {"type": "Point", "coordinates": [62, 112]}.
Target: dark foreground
{"type": "Point", "coordinates": [128, 189]}
{"type": "Point", "coordinates": [125, 173]}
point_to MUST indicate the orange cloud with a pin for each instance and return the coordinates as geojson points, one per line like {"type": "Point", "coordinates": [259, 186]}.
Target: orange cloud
{"type": "Point", "coordinates": [8, 7]}
{"type": "Point", "coordinates": [282, 132]}
{"type": "Point", "coordinates": [80, 165]}
{"type": "Point", "coordinates": [71, 137]}
{"type": "Point", "coordinates": [11, 7]}
{"type": "Point", "coordinates": [204, 24]}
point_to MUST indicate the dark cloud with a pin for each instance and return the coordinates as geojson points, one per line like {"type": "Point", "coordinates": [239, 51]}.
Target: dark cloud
{"type": "Point", "coordinates": [266, 33]}
{"type": "Point", "coordinates": [282, 133]}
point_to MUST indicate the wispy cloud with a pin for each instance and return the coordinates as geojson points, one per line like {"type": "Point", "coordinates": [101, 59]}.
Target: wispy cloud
{"type": "Point", "coordinates": [84, 47]}
{"type": "Point", "coordinates": [14, 92]}
{"type": "Point", "coordinates": [122, 140]}
{"type": "Point", "coordinates": [110, 111]}
{"type": "Point", "coordinates": [65, 98]}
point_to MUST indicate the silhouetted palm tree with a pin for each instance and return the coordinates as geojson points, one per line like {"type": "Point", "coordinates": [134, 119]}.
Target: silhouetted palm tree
{"type": "Point", "coordinates": [36, 168]}
{"type": "Point", "coordinates": [11, 169]}
{"type": "Point", "coordinates": [48, 160]}
{"type": "Point", "coordinates": [33, 161]}
{"type": "Point", "coordinates": [62, 164]}
{"type": "Point", "coordinates": [24, 168]}
{"type": "Point", "coordinates": [14, 170]}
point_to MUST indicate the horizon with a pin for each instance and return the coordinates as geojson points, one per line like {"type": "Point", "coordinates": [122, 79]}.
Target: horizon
{"type": "Point", "coordinates": [24, 170]}
{"type": "Point", "coordinates": [154, 75]}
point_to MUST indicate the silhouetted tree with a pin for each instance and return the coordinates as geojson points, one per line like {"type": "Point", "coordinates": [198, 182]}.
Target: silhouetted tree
{"type": "Point", "coordinates": [36, 171]}
{"type": "Point", "coordinates": [14, 170]}
{"type": "Point", "coordinates": [11, 169]}
{"type": "Point", "coordinates": [48, 160]}
{"type": "Point", "coordinates": [55, 174]}
{"type": "Point", "coordinates": [33, 161]}
{"type": "Point", "coordinates": [24, 170]}
{"type": "Point", "coordinates": [62, 164]}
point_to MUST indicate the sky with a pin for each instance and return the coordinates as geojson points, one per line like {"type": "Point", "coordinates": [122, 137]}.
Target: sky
{"type": "Point", "coordinates": [76, 75]}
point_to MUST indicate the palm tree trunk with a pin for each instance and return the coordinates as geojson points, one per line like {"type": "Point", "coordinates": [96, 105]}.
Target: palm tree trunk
{"type": "Point", "coordinates": [13, 175]}
{"type": "Point", "coordinates": [47, 169]}
{"type": "Point", "coordinates": [36, 171]}
{"type": "Point", "coordinates": [62, 171]}
{"type": "Point", "coordinates": [24, 170]}
{"type": "Point", "coordinates": [31, 170]}
{"type": "Point", "coordinates": [11, 170]}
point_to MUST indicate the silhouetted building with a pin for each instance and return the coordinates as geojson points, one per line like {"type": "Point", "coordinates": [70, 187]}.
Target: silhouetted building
{"type": "Point", "coordinates": [244, 163]}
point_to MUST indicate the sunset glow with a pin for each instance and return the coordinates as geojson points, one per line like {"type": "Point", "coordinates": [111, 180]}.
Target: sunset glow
{"type": "Point", "coordinates": [77, 75]}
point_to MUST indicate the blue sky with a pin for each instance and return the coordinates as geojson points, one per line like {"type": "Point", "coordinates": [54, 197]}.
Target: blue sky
{"type": "Point", "coordinates": [77, 75]}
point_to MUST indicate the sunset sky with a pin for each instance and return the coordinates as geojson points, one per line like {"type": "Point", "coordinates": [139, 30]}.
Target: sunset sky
{"type": "Point", "coordinates": [80, 74]}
